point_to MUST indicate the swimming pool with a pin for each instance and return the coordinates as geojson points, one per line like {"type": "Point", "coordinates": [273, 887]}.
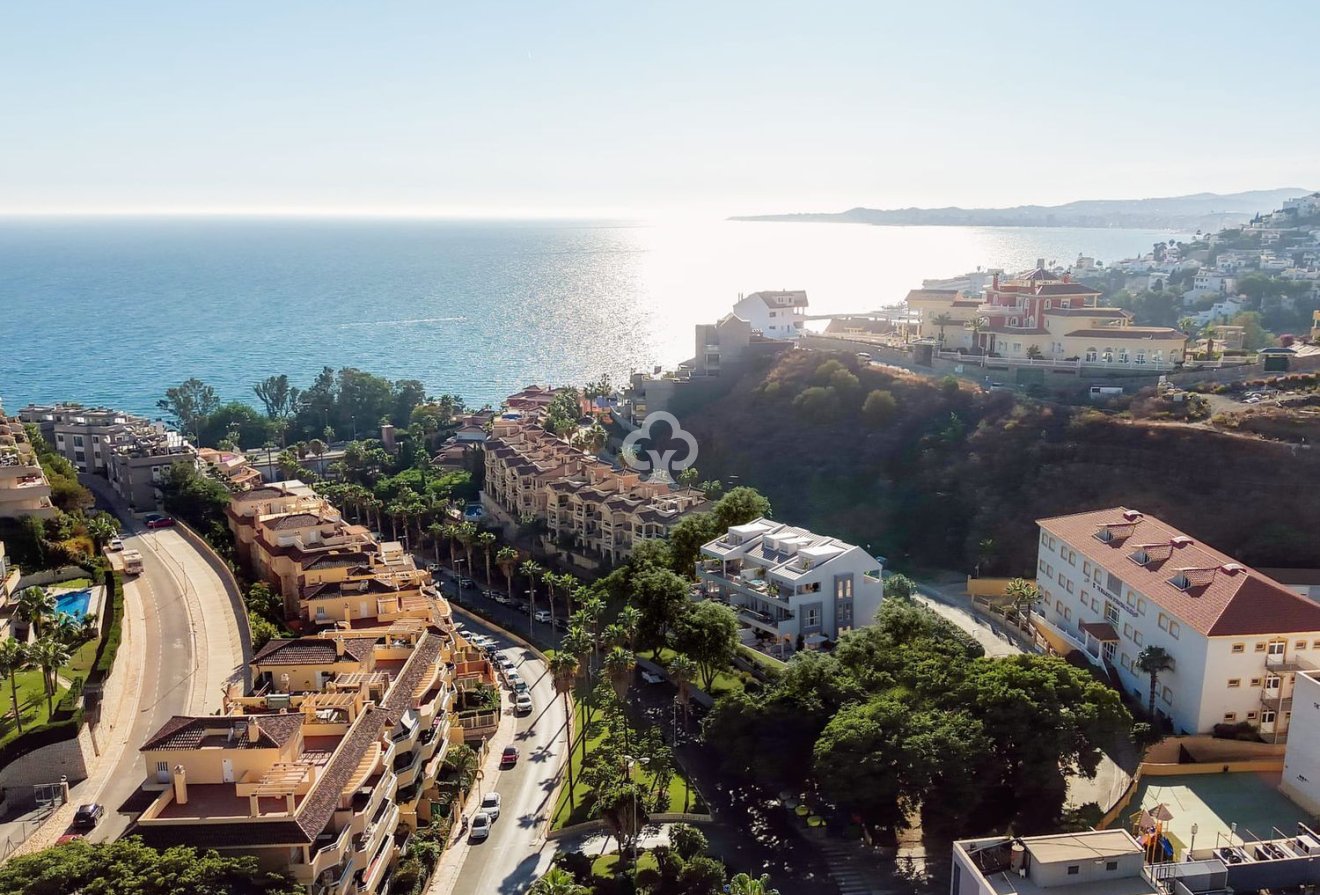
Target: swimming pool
{"type": "Point", "coordinates": [74, 603]}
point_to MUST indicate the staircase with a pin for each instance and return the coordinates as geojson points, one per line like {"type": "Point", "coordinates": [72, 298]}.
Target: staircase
{"type": "Point", "coordinates": [853, 869]}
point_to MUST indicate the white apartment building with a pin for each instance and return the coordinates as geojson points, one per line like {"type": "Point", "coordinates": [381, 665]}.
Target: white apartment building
{"type": "Point", "coordinates": [85, 436]}
{"type": "Point", "coordinates": [1215, 281]}
{"type": "Point", "coordinates": [1099, 862]}
{"type": "Point", "coordinates": [787, 582]}
{"type": "Point", "coordinates": [775, 315]}
{"type": "Point", "coordinates": [1114, 581]}
{"type": "Point", "coordinates": [1301, 763]}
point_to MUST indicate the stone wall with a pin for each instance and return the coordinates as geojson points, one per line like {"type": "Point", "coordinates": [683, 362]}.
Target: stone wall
{"type": "Point", "coordinates": [69, 758]}
{"type": "Point", "coordinates": [52, 576]}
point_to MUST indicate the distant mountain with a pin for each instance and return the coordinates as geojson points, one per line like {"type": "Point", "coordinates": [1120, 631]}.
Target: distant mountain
{"type": "Point", "coordinates": [1206, 211]}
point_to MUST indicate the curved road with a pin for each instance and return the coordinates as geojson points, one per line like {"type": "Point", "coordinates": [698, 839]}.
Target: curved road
{"type": "Point", "coordinates": [516, 852]}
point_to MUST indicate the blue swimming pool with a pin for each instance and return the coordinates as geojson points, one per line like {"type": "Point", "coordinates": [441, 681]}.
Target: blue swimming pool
{"type": "Point", "coordinates": [74, 603]}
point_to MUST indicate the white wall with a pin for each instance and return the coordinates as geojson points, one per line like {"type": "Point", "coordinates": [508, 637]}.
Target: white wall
{"type": "Point", "coordinates": [1301, 763]}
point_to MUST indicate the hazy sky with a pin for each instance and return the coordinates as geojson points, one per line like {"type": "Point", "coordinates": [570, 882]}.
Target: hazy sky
{"type": "Point", "coordinates": [641, 107]}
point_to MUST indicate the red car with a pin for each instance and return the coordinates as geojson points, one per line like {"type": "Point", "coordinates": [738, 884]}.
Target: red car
{"type": "Point", "coordinates": [510, 757]}
{"type": "Point", "coordinates": [156, 520]}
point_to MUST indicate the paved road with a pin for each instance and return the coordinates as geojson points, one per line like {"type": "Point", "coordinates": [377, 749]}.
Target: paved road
{"type": "Point", "coordinates": [950, 602]}
{"type": "Point", "coordinates": [516, 853]}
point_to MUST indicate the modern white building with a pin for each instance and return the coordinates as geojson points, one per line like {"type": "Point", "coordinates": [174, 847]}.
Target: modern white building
{"type": "Point", "coordinates": [1301, 763]}
{"type": "Point", "coordinates": [1098, 862]}
{"type": "Point", "coordinates": [1215, 281]}
{"type": "Point", "coordinates": [775, 315]}
{"type": "Point", "coordinates": [1115, 581]}
{"type": "Point", "coordinates": [788, 583]}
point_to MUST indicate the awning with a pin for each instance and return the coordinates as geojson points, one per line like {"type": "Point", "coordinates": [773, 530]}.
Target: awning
{"type": "Point", "coordinates": [1101, 631]}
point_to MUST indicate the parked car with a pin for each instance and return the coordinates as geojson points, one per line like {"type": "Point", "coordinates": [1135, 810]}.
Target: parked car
{"type": "Point", "coordinates": [433, 568]}
{"type": "Point", "coordinates": [522, 704]}
{"type": "Point", "coordinates": [863, 356]}
{"type": "Point", "coordinates": [156, 520]}
{"type": "Point", "coordinates": [87, 816]}
{"type": "Point", "coordinates": [467, 583]}
{"type": "Point", "coordinates": [510, 757]}
{"type": "Point", "coordinates": [115, 545]}
{"type": "Point", "coordinates": [504, 662]}
{"type": "Point", "coordinates": [543, 616]}
{"type": "Point", "coordinates": [480, 826]}
{"type": "Point", "coordinates": [515, 680]}
{"type": "Point", "coordinates": [490, 804]}
{"type": "Point", "coordinates": [651, 677]}
{"type": "Point", "coordinates": [561, 624]}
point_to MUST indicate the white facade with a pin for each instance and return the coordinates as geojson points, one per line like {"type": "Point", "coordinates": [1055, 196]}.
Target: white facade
{"type": "Point", "coordinates": [1301, 763]}
{"type": "Point", "coordinates": [776, 315]}
{"type": "Point", "coordinates": [1104, 862]}
{"type": "Point", "coordinates": [1215, 281]}
{"type": "Point", "coordinates": [788, 583]}
{"type": "Point", "coordinates": [1236, 637]}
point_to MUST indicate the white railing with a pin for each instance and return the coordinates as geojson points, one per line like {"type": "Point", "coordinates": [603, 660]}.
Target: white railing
{"type": "Point", "coordinates": [1057, 363]}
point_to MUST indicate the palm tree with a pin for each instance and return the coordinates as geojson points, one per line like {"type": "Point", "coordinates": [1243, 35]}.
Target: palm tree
{"type": "Point", "coordinates": [592, 609]}
{"type": "Point", "coordinates": [942, 320]}
{"type": "Point", "coordinates": [1022, 596]}
{"type": "Point", "coordinates": [1033, 352]}
{"type": "Point", "coordinates": [507, 559]}
{"type": "Point", "coordinates": [564, 670]}
{"type": "Point", "coordinates": [743, 884]}
{"type": "Point", "coordinates": [593, 438]}
{"type": "Point", "coordinates": [531, 570]}
{"type": "Point", "coordinates": [976, 326]}
{"type": "Point", "coordinates": [558, 881]}
{"type": "Point", "coordinates": [34, 606]}
{"type": "Point", "coordinates": [466, 533]}
{"type": "Point", "coordinates": [486, 541]}
{"type": "Point", "coordinates": [1152, 660]}
{"type": "Point", "coordinates": [13, 659]}
{"type": "Point", "coordinates": [630, 622]}
{"type": "Point", "coordinates": [683, 671]}
{"type": "Point", "coordinates": [619, 665]}
{"type": "Point", "coordinates": [551, 581]}
{"type": "Point", "coordinates": [437, 531]}
{"type": "Point", "coordinates": [101, 528]}
{"type": "Point", "coordinates": [49, 654]}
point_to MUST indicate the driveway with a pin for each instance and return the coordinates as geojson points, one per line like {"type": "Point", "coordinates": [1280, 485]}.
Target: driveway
{"type": "Point", "coordinates": [951, 601]}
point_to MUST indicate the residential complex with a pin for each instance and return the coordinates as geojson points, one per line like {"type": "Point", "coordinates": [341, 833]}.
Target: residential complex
{"type": "Point", "coordinates": [774, 315]}
{"type": "Point", "coordinates": [792, 588]}
{"type": "Point", "coordinates": [131, 452]}
{"type": "Point", "coordinates": [327, 570]}
{"type": "Point", "coordinates": [1043, 315]}
{"type": "Point", "coordinates": [328, 765]}
{"type": "Point", "coordinates": [593, 512]}
{"type": "Point", "coordinates": [24, 489]}
{"type": "Point", "coordinates": [1114, 581]}
{"type": "Point", "coordinates": [1099, 862]}
{"type": "Point", "coordinates": [234, 468]}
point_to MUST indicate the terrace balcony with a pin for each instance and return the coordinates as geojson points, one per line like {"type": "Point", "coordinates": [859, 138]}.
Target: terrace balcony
{"type": "Point", "coordinates": [748, 581]}
{"type": "Point", "coordinates": [780, 625]}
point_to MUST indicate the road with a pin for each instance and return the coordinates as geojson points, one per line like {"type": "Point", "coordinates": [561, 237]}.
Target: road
{"type": "Point", "coordinates": [516, 852]}
{"type": "Point", "coordinates": [951, 602]}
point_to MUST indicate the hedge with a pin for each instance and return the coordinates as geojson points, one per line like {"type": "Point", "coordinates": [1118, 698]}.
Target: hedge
{"type": "Point", "coordinates": [112, 624]}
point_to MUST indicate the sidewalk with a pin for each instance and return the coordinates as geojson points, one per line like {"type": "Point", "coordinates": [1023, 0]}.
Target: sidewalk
{"type": "Point", "coordinates": [455, 854]}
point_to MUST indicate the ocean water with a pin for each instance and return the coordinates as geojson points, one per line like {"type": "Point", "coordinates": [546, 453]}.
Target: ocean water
{"type": "Point", "coordinates": [115, 310]}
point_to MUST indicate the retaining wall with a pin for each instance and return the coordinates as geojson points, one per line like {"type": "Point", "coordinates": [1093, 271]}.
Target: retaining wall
{"type": "Point", "coordinates": [235, 593]}
{"type": "Point", "coordinates": [69, 758]}
{"type": "Point", "coordinates": [52, 576]}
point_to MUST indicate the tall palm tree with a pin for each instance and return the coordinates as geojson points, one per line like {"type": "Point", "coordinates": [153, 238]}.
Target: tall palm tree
{"type": "Point", "coordinates": [466, 532]}
{"type": "Point", "coordinates": [592, 610]}
{"type": "Point", "coordinates": [13, 659]}
{"type": "Point", "coordinates": [531, 570]}
{"type": "Point", "coordinates": [101, 528]}
{"type": "Point", "coordinates": [558, 881]}
{"type": "Point", "coordinates": [743, 884]}
{"type": "Point", "coordinates": [564, 670]}
{"type": "Point", "coordinates": [507, 559]}
{"type": "Point", "coordinates": [486, 541]}
{"type": "Point", "coordinates": [1022, 596]}
{"type": "Point", "coordinates": [1152, 660]}
{"type": "Point", "coordinates": [976, 326]}
{"type": "Point", "coordinates": [683, 671]}
{"type": "Point", "coordinates": [34, 606]}
{"type": "Point", "coordinates": [437, 531]}
{"type": "Point", "coordinates": [49, 654]}
{"type": "Point", "coordinates": [942, 320]}
{"type": "Point", "coordinates": [619, 665]}
{"type": "Point", "coordinates": [630, 622]}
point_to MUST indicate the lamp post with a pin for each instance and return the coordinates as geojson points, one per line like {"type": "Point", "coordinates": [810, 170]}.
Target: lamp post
{"type": "Point", "coordinates": [1192, 847]}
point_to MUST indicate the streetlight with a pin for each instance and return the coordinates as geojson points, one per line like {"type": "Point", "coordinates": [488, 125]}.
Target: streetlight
{"type": "Point", "coordinates": [629, 761]}
{"type": "Point", "coordinates": [1192, 847]}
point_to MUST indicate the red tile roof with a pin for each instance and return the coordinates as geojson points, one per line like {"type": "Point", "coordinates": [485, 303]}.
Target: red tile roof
{"type": "Point", "coordinates": [1226, 598]}
{"type": "Point", "coordinates": [1148, 333]}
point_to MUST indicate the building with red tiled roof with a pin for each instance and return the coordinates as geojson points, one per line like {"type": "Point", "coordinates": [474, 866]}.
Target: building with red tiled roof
{"type": "Point", "coordinates": [1236, 636]}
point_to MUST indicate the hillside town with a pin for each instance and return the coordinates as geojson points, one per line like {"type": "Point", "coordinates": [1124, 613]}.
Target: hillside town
{"type": "Point", "coordinates": [580, 638]}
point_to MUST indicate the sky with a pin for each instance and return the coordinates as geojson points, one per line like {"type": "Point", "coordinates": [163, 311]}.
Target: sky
{"type": "Point", "coordinates": [626, 107]}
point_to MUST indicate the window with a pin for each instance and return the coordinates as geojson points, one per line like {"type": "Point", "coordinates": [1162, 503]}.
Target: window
{"type": "Point", "coordinates": [1255, 682]}
{"type": "Point", "coordinates": [1167, 695]}
{"type": "Point", "coordinates": [1141, 605]}
{"type": "Point", "coordinates": [1074, 869]}
{"type": "Point", "coordinates": [1260, 647]}
{"type": "Point", "coordinates": [1127, 631]}
{"type": "Point", "coordinates": [1315, 644]}
{"type": "Point", "coordinates": [77, 441]}
{"type": "Point", "coordinates": [1138, 638]}
{"type": "Point", "coordinates": [1277, 647]}
{"type": "Point", "coordinates": [1052, 543]}
{"type": "Point", "coordinates": [1272, 682]}
{"type": "Point", "coordinates": [1086, 568]}
{"type": "Point", "coordinates": [1267, 717]}
{"type": "Point", "coordinates": [1111, 865]}
{"type": "Point", "coordinates": [1069, 585]}
{"type": "Point", "coordinates": [1230, 717]}
{"type": "Point", "coordinates": [1164, 622]}
{"type": "Point", "coordinates": [1125, 661]}
{"type": "Point", "coordinates": [1044, 539]}
{"type": "Point", "coordinates": [1111, 613]}
{"type": "Point", "coordinates": [1041, 565]}
{"type": "Point", "coordinates": [1301, 644]}
{"type": "Point", "coordinates": [1072, 557]}
{"type": "Point", "coordinates": [1174, 629]}
{"type": "Point", "coordinates": [1067, 613]}
{"type": "Point", "coordinates": [1109, 649]}
{"type": "Point", "coordinates": [1114, 584]}
{"type": "Point", "coordinates": [1251, 716]}
{"type": "Point", "coordinates": [1239, 647]}
{"type": "Point", "coordinates": [1234, 682]}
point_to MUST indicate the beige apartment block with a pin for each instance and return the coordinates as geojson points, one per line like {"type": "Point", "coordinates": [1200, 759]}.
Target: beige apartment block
{"type": "Point", "coordinates": [24, 489]}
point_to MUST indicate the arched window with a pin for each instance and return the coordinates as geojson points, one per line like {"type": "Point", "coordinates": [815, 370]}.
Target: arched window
{"type": "Point", "coordinates": [1157, 356]}
{"type": "Point", "coordinates": [1090, 354]}
{"type": "Point", "coordinates": [1141, 357]}
{"type": "Point", "coordinates": [1108, 355]}
{"type": "Point", "coordinates": [1122, 355]}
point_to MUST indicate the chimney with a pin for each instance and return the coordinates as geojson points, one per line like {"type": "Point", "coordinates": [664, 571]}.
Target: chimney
{"type": "Point", "coordinates": [339, 647]}
{"type": "Point", "coordinates": [1040, 263]}
{"type": "Point", "coordinates": [180, 784]}
{"type": "Point", "coordinates": [994, 281]}
{"type": "Point", "coordinates": [253, 731]}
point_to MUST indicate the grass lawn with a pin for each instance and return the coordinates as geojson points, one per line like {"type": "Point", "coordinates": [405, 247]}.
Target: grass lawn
{"type": "Point", "coordinates": [681, 795]}
{"type": "Point", "coordinates": [71, 584]}
{"type": "Point", "coordinates": [32, 702]}
{"type": "Point", "coordinates": [606, 866]}
{"type": "Point", "coordinates": [84, 657]}
{"type": "Point", "coordinates": [726, 681]}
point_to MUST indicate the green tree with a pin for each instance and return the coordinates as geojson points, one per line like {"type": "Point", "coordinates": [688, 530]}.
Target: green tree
{"type": "Point", "coordinates": [708, 634]}
{"type": "Point", "coordinates": [101, 528]}
{"type": "Point", "coordinates": [507, 559]}
{"type": "Point", "coordinates": [857, 760]}
{"type": "Point", "coordinates": [619, 665]}
{"type": "Point", "coordinates": [531, 570]}
{"type": "Point", "coordinates": [688, 841]}
{"type": "Point", "coordinates": [1022, 596]}
{"type": "Point", "coordinates": [703, 875]}
{"type": "Point", "coordinates": [942, 320]}
{"type": "Point", "coordinates": [900, 587]}
{"type": "Point", "coordinates": [558, 881]}
{"type": "Point", "coordinates": [743, 884]}
{"type": "Point", "coordinates": [48, 654]}
{"type": "Point", "coordinates": [189, 403]}
{"type": "Point", "coordinates": [127, 867]}
{"type": "Point", "coordinates": [36, 606]}
{"type": "Point", "coordinates": [486, 541]}
{"type": "Point", "coordinates": [278, 397]}
{"type": "Point", "coordinates": [740, 506]}
{"type": "Point", "coordinates": [683, 671]}
{"type": "Point", "coordinates": [879, 406]}
{"type": "Point", "coordinates": [1254, 335]}
{"type": "Point", "coordinates": [661, 598]}
{"type": "Point", "coordinates": [13, 659]}
{"type": "Point", "coordinates": [1152, 660]}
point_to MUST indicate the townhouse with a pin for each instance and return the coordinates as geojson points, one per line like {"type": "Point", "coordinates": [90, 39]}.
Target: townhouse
{"type": "Point", "coordinates": [790, 587]}
{"type": "Point", "coordinates": [1115, 581]}
{"type": "Point", "coordinates": [327, 767]}
{"type": "Point", "coordinates": [779, 314]}
{"type": "Point", "coordinates": [1043, 315]}
{"type": "Point", "coordinates": [235, 468]}
{"type": "Point", "coordinates": [591, 510]}
{"type": "Point", "coordinates": [326, 570]}
{"type": "Point", "coordinates": [24, 488]}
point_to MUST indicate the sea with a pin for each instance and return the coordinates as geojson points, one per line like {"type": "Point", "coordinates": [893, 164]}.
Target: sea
{"type": "Point", "coordinates": [113, 311]}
